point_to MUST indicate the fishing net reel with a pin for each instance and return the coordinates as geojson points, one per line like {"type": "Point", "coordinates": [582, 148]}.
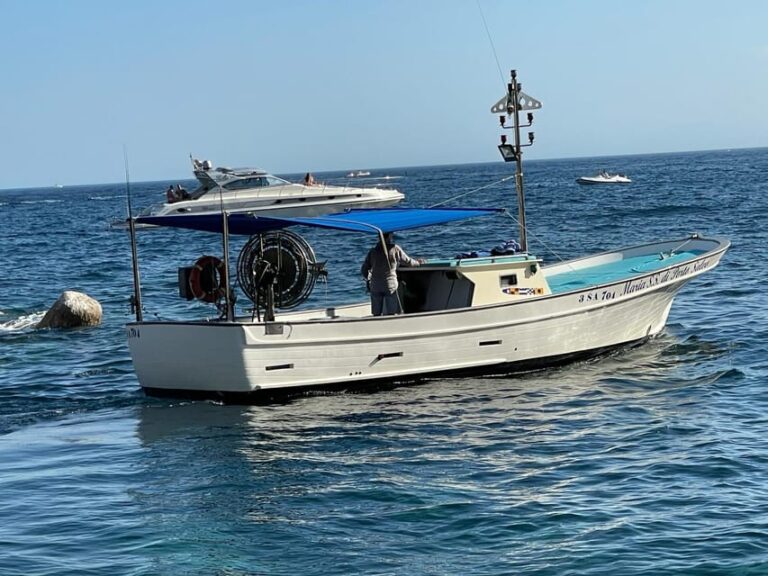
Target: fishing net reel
{"type": "Point", "coordinates": [278, 270]}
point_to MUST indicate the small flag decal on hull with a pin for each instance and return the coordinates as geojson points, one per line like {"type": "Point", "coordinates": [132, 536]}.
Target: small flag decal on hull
{"type": "Point", "coordinates": [523, 291]}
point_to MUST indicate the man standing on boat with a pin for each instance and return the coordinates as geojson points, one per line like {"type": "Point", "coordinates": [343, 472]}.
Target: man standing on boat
{"type": "Point", "coordinates": [380, 271]}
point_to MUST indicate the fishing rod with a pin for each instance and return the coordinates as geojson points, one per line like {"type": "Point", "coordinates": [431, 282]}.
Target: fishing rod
{"type": "Point", "coordinates": [136, 296]}
{"type": "Point", "coordinates": [228, 301]}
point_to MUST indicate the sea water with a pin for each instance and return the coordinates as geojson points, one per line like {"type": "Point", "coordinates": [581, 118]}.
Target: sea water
{"type": "Point", "coordinates": [651, 460]}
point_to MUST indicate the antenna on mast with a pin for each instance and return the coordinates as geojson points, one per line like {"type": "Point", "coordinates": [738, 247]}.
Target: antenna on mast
{"type": "Point", "coordinates": [508, 107]}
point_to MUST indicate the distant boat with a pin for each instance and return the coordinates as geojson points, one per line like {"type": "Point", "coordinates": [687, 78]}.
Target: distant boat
{"type": "Point", "coordinates": [604, 177]}
{"type": "Point", "coordinates": [358, 174]}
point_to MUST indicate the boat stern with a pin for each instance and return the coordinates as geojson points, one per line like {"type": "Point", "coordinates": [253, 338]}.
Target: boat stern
{"type": "Point", "coordinates": [190, 356]}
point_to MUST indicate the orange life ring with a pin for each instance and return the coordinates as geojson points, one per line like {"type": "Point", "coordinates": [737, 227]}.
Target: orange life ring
{"type": "Point", "coordinates": [206, 279]}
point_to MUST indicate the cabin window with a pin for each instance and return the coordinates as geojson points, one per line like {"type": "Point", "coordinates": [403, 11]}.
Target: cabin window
{"type": "Point", "coordinates": [509, 280]}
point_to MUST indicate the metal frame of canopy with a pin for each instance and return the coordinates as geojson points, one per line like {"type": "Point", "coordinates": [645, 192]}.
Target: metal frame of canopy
{"type": "Point", "coordinates": [372, 221]}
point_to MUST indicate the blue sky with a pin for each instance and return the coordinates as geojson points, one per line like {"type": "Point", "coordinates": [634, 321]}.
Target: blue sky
{"type": "Point", "coordinates": [302, 85]}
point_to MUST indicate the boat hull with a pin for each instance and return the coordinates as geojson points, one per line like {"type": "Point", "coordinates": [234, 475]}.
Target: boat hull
{"type": "Point", "coordinates": [597, 180]}
{"type": "Point", "coordinates": [315, 350]}
{"type": "Point", "coordinates": [293, 200]}
{"type": "Point", "coordinates": [271, 395]}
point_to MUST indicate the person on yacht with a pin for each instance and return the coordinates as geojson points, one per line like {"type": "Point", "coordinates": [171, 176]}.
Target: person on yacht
{"type": "Point", "coordinates": [181, 193]}
{"type": "Point", "coordinates": [170, 195]}
{"type": "Point", "coordinates": [309, 180]}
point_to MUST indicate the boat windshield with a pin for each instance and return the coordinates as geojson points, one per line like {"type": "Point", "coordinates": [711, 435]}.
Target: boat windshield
{"type": "Point", "coordinates": [275, 181]}
{"type": "Point", "coordinates": [255, 182]}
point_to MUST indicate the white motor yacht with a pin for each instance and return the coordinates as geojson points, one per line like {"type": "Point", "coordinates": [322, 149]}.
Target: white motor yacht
{"type": "Point", "coordinates": [256, 191]}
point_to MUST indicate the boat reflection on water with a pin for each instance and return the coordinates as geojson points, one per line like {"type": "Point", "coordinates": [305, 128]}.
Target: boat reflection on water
{"type": "Point", "coordinates": [160, 422]}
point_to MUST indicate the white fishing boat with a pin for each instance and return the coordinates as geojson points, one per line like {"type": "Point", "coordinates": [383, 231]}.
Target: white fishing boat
{"type": "Point", "coordinates": [486, 314]}
{"type": "Point", "coordinates": [604, 177]}
{"type": "Point", "coordinates": [257, 191]}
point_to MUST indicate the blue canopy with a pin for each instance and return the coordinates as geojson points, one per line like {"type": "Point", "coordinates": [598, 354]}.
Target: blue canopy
{"type": "Point", "coordinates": [370, 220]}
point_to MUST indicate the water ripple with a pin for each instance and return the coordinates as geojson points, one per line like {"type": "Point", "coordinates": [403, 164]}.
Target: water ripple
{"type": "Point", "coordinates": [649, 460]}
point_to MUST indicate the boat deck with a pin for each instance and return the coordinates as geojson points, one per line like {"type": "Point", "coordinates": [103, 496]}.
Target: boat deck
{"type": "Point", "coordinates": [618, 270]}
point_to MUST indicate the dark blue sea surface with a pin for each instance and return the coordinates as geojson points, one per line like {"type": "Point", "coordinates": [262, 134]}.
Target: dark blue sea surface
{"type": "Point", "coordinates": [652, 460]}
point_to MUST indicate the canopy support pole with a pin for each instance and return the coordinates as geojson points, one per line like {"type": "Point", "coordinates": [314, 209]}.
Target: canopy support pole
{"type": "Point", "coordinates": [230, 305]}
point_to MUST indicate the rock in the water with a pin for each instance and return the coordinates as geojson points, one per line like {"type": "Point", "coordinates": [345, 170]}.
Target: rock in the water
{"type": "Point", "coordinates": [71, 310]}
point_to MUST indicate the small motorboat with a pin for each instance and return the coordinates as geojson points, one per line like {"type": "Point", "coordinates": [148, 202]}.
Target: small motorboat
{"type": "Point", "coordinates": [604, 177]}
{"type": "Point", "coordinates": [359, 174]}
